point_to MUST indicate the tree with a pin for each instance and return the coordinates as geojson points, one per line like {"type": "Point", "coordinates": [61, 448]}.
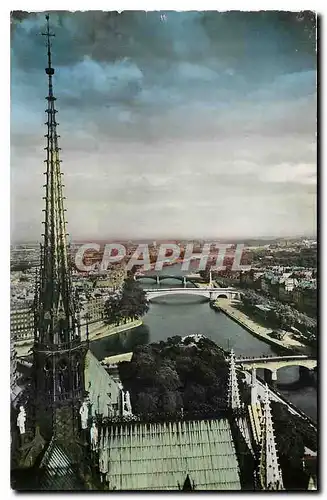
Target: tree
{"type": "Point", "coordinates": [131, 303]}
{"type": "Point", "coordinates": [146, 403]}
{"type": "Point", "coordinates": [175, 340]}
{"type": "Point", "coordinates": [205, 274]}
{"type": "Point", "coordinates": [194, 397]}
{"type": "Point", "coordinates": [171, 401]}
{"type": "Point", "coordinates": [198, 374]}
{"type": "Point", "coordinates": [112, 310]}
{"type": "Point", "coordinates": [167, 378]}
{"type": "Point", "coordinates": [145, 369]}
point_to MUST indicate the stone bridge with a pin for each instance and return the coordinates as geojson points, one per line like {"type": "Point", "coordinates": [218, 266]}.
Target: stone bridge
{"type": "Point", "coordinates": [158, 278]}
{"type": "Point", "coordinates": [210, 293]}
{"type": "Point", "coordinates": [272, 364]}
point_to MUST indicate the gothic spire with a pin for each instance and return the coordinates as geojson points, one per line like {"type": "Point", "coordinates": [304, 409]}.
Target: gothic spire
{"type": "Point", "coordinates": [269, 471]}
{"type": "Point", "coordinates": [59, 353]}
{"type": "Point", "coordinates": [57, 321]}
{"type": "Point", "coordinates": [233, 392]}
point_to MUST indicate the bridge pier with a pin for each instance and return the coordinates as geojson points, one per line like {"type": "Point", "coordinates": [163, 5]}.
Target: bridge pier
{"type": "Point", "coordinates": [270, 376]}
{"type": "Point", "coordinates": [274, 378]}
{"type": "Point", "coordinates": [307, 376]}
{"type": "Point", "coordinates": [184, 282]}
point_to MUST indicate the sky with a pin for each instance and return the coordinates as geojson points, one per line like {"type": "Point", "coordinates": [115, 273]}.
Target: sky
{"type": "Point", "coordinates": [172, 124]}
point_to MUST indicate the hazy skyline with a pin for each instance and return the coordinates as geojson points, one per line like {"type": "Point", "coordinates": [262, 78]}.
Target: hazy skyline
{"type": "Point", "coordinates": [172, 124]}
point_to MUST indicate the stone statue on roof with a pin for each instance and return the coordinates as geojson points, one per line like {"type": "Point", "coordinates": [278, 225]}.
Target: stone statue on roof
{"type": "Point", "coordinates": [103, 462]}
{"type": "Point", "coordinates": [84, 413]}
{"type": "Point", "coordinates": [94, 437]}
{"type": "Point", "coordinates": [128, 403]}
{"type": "Point", "coordinates": [21, 419]}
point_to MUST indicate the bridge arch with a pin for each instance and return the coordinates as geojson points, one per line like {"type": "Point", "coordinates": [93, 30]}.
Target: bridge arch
{"type": "Point", "coordinates": [270, 367]}
{"type": "Point", "coordinates": [171, 277]}
{"type": "Point", "coordinates": [141, 277]}
{"type": "Point", "coordinates": [306, 376]}
{"type": "Point", "coordinates": [275, 366]}
{"type": "Point", "coordinates": [161, 277]}
{"type": "Point", "coordinates": [153, 294]}
{"type": "Point", "coordinates": [210, 293]}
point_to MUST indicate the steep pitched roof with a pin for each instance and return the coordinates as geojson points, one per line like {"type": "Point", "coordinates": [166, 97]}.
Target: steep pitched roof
{"type": "Point", "coordinates": [57, 472]}
{"type": "Point", "coordinates": [102, 388]}
{"type": "Point", "coordinates": [54, 472]}
{"type": "Point", "coordinates": [55, 457]}
{"type": "Point", "coordinates": [158, 456]}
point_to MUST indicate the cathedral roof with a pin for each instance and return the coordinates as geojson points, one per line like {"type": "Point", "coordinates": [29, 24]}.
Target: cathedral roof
{"type": "Point", "coordinates": [56, 471]}
{"type": "Point", "coordinates": [159, 456]}
{"type": "Point", "coordinates": [103, 390]}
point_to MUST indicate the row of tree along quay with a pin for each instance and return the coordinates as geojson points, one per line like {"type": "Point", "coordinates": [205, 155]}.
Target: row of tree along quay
{"type": "Point", "coordinates": [130, 303]}
{"type": "Point", "coordinates": [183, 379]}
{"type": "Point", "coordinates": [281, 316]}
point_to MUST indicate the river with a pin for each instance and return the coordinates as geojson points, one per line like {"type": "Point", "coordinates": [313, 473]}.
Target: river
{"type": "Point", "coordinates": [184, 315]}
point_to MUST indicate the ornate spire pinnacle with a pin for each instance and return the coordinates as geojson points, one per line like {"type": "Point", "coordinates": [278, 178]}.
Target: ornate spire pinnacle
{"type": "Point", "coordinates": [269, 470]}
{"type": "Point", "coordinates": [312, 484]}
{"type": "Point", "coordinates": [233, 392]}
{"type": "Point", "coordinates": [57, 320]}
{"type": "Point", "coordinates": [254, 387]}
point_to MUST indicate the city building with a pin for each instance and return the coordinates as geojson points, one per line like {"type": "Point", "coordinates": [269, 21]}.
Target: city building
{"type": "Point", "coordinates": [305, 297]}
{"type": "Point", "coordinates": [22, 322]}
{"type": "Point", "coordinates": [24, 256]}
{"type": "Point", "coordinates": [93, 309]}
{"type": "Point", "coordinates": [112, 278]}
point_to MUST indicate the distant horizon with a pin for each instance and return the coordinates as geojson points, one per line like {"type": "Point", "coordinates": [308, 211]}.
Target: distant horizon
{"type": "Point", "coordinates": [160, 240]}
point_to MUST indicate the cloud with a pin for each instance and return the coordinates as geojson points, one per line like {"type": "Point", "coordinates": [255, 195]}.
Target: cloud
{"type": "Point", "coordinates": [202, 125]}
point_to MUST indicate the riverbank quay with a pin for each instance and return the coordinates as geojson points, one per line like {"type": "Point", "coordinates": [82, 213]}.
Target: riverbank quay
{"type": "Point", "coordinates": [117, 358]}
{"type": "Point", "coordinates": [97, 330]}
{"type": "Point", "coordinates": [102, 330]}
{"type": "Point", "coordinates": [288, 344]}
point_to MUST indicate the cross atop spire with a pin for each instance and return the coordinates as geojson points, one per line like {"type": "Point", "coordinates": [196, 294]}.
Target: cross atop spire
{"type": "Point", "coordinates": [269, 471]}
{"type": "Point", "coordinates": [49, 69]}
{"type": "Point", "coordinates": [233, 392]}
